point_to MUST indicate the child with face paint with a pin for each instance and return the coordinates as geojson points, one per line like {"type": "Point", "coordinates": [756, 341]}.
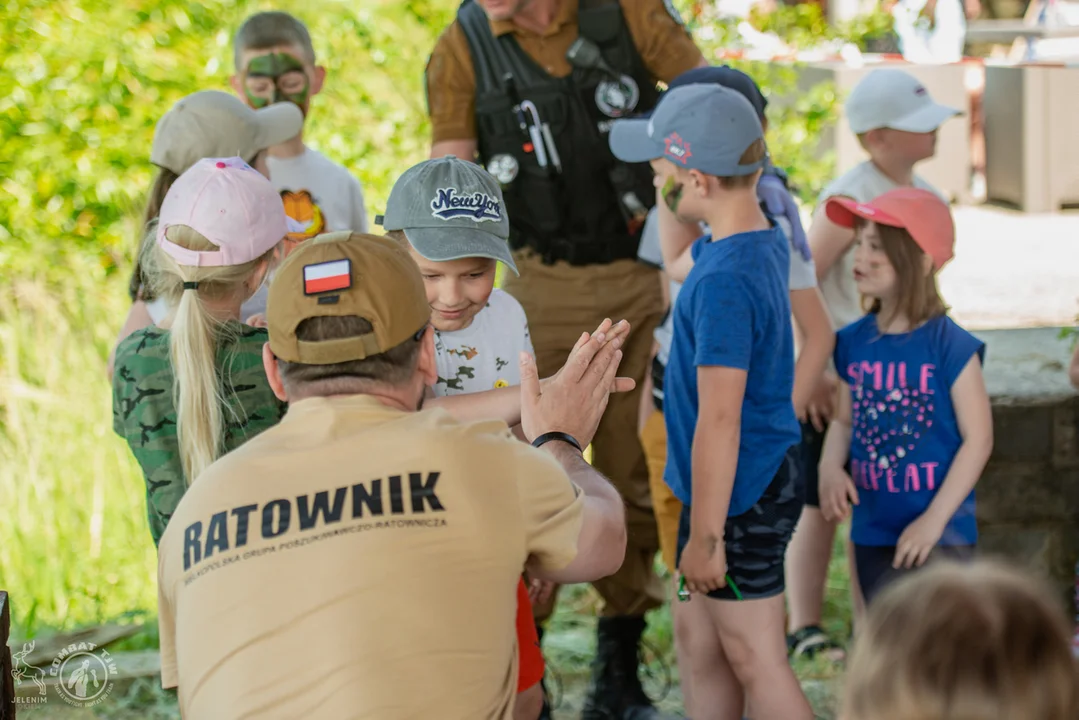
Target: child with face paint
{"type": "Point", "coordinates": [275, 64]}
{"type": "Point", "coordinates": [913, 415]}
{"type": "Point", "coordinates": [814, 333]}
{"type": "Point", "coordinates": [731, 428]}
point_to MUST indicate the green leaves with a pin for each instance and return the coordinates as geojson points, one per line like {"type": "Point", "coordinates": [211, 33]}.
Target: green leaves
{"type": "Point", "coordinates": [84, 81]}
{"type": "Point", "coordinates": [797, 115]}
{"type": "Point", "coordinates": [82, 85]}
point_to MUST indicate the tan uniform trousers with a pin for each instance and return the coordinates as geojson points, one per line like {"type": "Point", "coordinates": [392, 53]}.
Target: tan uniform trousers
{"type": "Point", "coordinates": [667, 507]}
{"type": "Point", "coordinates": [561, 302]}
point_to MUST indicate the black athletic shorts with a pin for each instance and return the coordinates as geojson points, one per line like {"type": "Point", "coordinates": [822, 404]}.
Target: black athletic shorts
{"type": "Point", "coordinates": [811, 447]}
{"type": "Point", "coordinates": [875, 571]}
{"type": "Point", "coordinates": [756, 540]}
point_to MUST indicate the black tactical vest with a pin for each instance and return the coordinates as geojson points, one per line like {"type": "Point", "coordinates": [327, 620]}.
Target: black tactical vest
{"type": "Point", "coordinates": [592, 210]}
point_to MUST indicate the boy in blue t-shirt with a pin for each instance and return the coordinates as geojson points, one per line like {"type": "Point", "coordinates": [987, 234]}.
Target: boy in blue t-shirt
{"type": "Point", "coordinates": [731, 427]}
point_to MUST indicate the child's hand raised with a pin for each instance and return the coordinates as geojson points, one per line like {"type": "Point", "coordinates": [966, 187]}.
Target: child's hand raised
{"type": "Point", "coordinates": [917, 541]}
{"type": "Point", "coordinates": [574, 400]}
{"type": "Point", "coordinates": [837, 493]}
{"type": "Point", "coordinates": [611, 331]}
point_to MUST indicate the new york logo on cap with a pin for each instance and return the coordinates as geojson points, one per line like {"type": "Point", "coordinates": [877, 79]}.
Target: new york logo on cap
{"type": "Point", "coordinates": [676, 148]}
{"type": "Point", "coordinates": [327, 276]}
{"type": "Point", "coordinates": [448, 203]}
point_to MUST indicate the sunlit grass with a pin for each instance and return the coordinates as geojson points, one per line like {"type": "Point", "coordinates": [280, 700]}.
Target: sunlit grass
{"type": "Point", "coordinates": [74, 546]}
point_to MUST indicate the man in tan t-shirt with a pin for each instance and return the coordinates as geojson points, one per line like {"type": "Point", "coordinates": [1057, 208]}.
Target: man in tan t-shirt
{"type": "Point", "coordinates": [361, 559]}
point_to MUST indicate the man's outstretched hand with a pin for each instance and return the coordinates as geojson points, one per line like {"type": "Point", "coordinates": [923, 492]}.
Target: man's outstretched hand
{"type": "Point", "coordinates": [574, 399]}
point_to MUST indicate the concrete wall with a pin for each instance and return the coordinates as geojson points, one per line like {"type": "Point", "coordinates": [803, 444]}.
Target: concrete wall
{"type": "Point", "coordinates": [1028, 497]}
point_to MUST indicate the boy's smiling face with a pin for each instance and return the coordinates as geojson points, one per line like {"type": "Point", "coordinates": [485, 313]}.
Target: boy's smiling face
{"type": "Point", "coordinates": [277, 74]}
{"type": "Point", "coordinates": [456, 289]}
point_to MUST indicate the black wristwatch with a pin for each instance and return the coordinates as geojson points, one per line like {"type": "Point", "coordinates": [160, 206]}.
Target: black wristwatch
{"type": "Point", "coordinates": [557, 435]}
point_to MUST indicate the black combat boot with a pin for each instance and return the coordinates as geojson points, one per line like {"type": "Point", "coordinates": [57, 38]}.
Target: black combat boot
{"type": "Point", "coordinates": [616, 692]}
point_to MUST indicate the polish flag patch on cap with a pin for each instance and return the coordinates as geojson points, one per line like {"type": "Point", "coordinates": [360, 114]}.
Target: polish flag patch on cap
{"type": "Point", "coordinates": [327, 276]}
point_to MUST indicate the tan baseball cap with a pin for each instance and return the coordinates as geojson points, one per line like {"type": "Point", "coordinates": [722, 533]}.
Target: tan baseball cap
{"type": "Point", "coordinates": [339, 274]}
{"type": "Point", "coordinates": [215, 124]}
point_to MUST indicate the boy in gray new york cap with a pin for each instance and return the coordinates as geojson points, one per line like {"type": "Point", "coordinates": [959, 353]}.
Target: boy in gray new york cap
{"type": "Point", "coordinates": [450, 215]}
{"type": "Point", "coordinates": [732, 435]}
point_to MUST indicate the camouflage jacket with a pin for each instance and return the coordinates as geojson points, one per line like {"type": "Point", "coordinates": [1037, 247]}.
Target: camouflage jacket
{"type": "Point", "coordinates": [143, 412]}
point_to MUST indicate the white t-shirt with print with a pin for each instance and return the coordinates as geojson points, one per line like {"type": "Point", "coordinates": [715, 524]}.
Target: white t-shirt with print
{"type": "Point", "coordinates": [863, 182]}
{"type": "Point", "coordinates": [311, 183]}
{"type": "Point", "coordinates": [484, 355]}
{"type": "Point", "coordinates": [332, 189]}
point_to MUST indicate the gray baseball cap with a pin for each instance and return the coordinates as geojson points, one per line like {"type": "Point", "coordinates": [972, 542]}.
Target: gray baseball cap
{"type": "Point", "coordinates": [700, 127]}
{"type": "Point", "coordinates": [450, 209]}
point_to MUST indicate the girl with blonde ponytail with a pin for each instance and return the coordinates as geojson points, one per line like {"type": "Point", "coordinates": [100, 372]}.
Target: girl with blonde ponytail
{"type": "Point", "coordinates": [180, 140]}
{"type": "Point", "coordinates": [187, 392]}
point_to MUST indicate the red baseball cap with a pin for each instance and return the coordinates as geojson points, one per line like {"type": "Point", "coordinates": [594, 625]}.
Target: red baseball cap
{"type": "Point", "coordinates": [921, 213]}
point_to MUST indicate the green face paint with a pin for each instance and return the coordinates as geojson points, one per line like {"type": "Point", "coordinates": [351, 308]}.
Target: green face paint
{"type": "Point", "coordinates": [290, 82]}
{"type": "Point", "coordinates": [672, 193]}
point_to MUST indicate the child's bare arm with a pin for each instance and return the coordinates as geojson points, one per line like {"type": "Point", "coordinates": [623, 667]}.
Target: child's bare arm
{"type": "Point", "coordinates": [837, 489]}
{"type": "Point", "coordinates": [818, 341]}
{"type": "Point", "coordinates": [715, 445]}
{"type": "Point", "coordinates": [714, 461]}
{"type": "Point", "coordinates": [647, 405]}
{"type": "Point", "coordinates": [505, 403]}
{"type": "Point", "coordinates": [828, 242]}
{"type": "Point", "coordinates": [975, 419]}
{"type": "Point", "coordinates": [500, 404]}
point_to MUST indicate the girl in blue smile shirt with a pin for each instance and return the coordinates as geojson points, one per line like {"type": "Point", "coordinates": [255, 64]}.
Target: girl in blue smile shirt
{"type": "Point", "coordinates": [914, 416]}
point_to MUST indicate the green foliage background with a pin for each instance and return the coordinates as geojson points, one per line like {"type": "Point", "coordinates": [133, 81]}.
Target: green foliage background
{"type": "Point", "coordinates": [82, 83]}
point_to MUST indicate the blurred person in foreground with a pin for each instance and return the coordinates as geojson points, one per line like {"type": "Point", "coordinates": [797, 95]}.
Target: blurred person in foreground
{"type": "Point", "coordinates": [980, 641]}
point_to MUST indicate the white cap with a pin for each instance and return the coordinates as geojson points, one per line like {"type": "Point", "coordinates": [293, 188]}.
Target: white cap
{"type": "Point", "coordinates": [897, 100]}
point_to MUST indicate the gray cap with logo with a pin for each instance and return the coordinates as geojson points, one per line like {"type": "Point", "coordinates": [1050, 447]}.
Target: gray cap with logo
{"type": "Point", "coordinates": [699, 127]}
{"type": "Point", "coordinates": [450, 209]}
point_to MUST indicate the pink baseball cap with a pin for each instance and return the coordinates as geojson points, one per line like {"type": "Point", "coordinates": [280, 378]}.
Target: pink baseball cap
{"type": "Point", "coordinates": [921, 213]}
{"type": "Point", "coordinates": [230, 204]}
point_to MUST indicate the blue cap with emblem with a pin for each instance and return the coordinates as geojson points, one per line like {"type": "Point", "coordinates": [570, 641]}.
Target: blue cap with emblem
{"type": "Point", "coordinates": [699, 127]}
{"type": "Point", "coordinates": [450, 209]}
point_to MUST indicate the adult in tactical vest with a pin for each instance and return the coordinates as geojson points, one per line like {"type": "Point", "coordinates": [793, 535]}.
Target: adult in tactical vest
{"type": "Point", "coordinates": [530, 88]}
